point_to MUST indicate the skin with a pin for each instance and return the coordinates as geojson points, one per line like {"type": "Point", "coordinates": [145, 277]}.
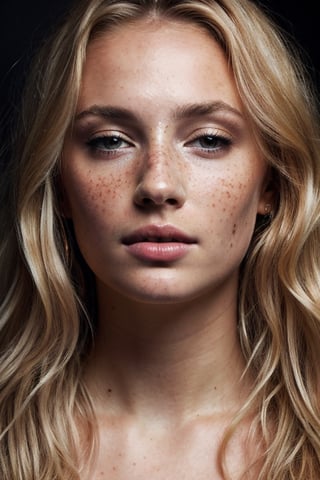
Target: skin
{"type": "Point", "coordinates": [165, 370]}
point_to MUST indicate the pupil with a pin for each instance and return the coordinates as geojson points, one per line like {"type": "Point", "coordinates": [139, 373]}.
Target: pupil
{"type": "Point", "coordinates": [208, 141]}
{"type": "Point", "coordinates": [113, 142]}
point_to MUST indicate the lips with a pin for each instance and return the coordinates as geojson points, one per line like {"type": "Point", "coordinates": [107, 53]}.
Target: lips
{"type": "Point", "coordinates": [158, 243]}
{"type": "Point", "coordinates": [158, 234]}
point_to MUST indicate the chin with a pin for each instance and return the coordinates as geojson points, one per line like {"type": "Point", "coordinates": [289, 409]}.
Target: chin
{"type": "Point", "coordinates": [162, 292]}
{"type": "Point", "coordinates": [157, 296]}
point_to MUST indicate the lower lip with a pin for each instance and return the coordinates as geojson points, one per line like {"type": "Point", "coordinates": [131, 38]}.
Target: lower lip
{"type": "Point", "coordinates": [159, 252]}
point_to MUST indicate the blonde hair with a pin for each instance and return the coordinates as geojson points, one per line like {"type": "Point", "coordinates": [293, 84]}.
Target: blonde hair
{"type": "Point", "coordinates": [46, 317]}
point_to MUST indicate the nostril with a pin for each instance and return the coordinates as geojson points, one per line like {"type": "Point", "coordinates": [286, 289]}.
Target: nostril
{"type": "Point", "coordinates": [158, 200]}
{"type": "Point", "coordinates": [147, 201]}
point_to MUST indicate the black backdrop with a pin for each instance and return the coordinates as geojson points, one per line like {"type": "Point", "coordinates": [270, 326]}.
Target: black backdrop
{"type": "Point", "coordinates": [25, 23]}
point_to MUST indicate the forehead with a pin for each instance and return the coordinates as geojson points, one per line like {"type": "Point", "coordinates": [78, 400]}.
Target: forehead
{"type": "Point", "coordinates": [159, 56]}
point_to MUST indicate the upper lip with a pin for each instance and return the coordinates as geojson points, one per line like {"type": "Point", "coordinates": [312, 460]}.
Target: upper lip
{"type": "Point", "coordinates": [158, 233]}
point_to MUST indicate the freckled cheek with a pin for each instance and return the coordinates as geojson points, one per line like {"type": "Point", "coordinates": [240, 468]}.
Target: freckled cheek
{"type": "Point", "coordinates": [95, 198]}
{"type": "Point", "coordinates": [226, 197]}
{"type": "Point", "coordinates": [232, 207]}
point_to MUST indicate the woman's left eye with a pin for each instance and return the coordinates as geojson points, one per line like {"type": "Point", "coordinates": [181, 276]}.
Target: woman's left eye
{"type": "Point", "coordinates": [210, 143]}
{"type": "Point", "coordinates": [107, 143]}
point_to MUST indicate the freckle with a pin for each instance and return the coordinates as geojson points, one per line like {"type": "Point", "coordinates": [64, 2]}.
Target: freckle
{"type": "Point", "coordinates": [213, 205]}
{"type": "Point", "coordinates": [231, 245]}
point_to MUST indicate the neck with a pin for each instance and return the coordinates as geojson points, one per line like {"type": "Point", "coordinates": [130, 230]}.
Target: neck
{"type": "Point", "coordinates": [172, 361]}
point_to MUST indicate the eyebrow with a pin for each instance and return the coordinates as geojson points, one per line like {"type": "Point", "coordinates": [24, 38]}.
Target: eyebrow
{"type": "Point", "coordinates": [181, 112]}
{"type": "Point", "coordinates": [107, 112]}
{"type": "Point", "coordinates": [203, 109]}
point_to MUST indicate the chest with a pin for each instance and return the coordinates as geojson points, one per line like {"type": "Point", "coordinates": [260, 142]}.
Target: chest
{"type": "Point", "coordinates": [184, 454]}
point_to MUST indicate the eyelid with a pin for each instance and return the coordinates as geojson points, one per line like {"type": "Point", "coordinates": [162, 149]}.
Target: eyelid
{"type": "Point", "coordinates": [209, 143]}
{"type": "Point", "coordinates": [209, 132]}
{"type": "Point", "coordinates": [98, 149]}
{"type": "Point", "coordinates": [109, 133]}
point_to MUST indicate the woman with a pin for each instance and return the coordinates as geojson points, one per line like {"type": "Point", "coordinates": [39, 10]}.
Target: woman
{"type": "Point", "coordinates": [160, 293]}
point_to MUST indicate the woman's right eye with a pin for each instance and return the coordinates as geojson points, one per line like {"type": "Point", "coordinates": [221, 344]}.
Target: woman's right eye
{"type": "Point", "coordinates": [107, 143]}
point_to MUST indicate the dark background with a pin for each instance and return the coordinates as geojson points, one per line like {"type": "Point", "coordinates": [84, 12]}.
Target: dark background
{"type": "Point", "coordinates": [25, 22]}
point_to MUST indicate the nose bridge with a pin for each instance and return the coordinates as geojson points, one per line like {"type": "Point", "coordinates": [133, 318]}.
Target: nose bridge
{"type": "Point", "coordinates": [160, 181]}
{"type": "Point", "coordinates": [160, 163]}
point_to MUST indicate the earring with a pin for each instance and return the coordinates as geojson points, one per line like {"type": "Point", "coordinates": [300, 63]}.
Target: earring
{"type": "Point", "coordinates": [268, 213]}
{"type": "Point", "coordinates": [267, 208]}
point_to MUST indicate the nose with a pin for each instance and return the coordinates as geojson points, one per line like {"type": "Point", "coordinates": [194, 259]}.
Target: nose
{"type": "Point", "coordinates": [160, 182]}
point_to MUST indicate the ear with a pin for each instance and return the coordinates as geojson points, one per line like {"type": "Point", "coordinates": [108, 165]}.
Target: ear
{"type": "Point", "coordinates": [267, 199]}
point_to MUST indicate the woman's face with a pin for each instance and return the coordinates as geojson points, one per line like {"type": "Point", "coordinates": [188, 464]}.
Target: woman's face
{"type": "Point", "coordinates": [162, 178]}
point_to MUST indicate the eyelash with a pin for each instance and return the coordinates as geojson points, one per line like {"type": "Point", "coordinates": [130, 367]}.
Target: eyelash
{"type": "Point", "coordinates": [220, 142]}
{"type": "Point", "coordinates": [96, 144]}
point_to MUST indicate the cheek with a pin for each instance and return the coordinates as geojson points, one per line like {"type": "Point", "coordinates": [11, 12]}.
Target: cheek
{"type": "Point", "coordinates": [232, 204]}
{"type": "Point", "coordinates": [92, 197]}
{"type": "Point", "coordinates": [232, 198]}
{"type": "Point", "coordinates": [96, 203]}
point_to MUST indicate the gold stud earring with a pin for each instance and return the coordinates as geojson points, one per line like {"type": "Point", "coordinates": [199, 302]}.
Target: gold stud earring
{"type": "Point", "coordinates": [267, 208]}
{"type": "Point", "coordinates": [268, 213]}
